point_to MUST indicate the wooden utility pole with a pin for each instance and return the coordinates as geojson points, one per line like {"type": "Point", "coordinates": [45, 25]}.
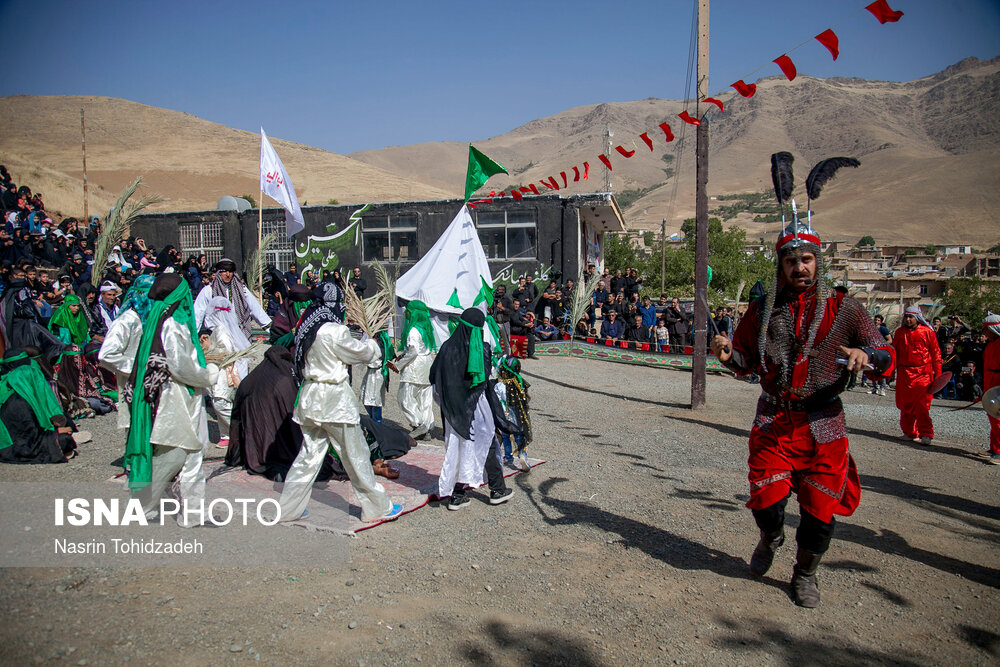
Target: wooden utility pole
{"type": "Point", "coordinates": [701, 219]}
{"type": "Point", "coordinates": [663, 256]}
{"type": "Point", "coordinates": [83, 134]}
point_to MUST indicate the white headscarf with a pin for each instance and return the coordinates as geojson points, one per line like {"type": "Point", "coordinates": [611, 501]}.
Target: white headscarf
{"type": "Point", "coordinates": [222, 314]}
{"type": "Point", "coordinates": [915, 311]}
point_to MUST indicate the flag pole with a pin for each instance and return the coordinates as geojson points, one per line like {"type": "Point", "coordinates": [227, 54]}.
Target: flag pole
{"type": "Point", "coordinates": [259, 287]}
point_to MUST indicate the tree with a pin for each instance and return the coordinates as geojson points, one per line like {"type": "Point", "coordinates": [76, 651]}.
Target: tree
{"type": "Point", "coordinates": [970, 298]}
{"type": "Point", "coordinates": [867, 241]}
{"type": "Point", "coordinates": [930, 249]}
{"type": "Point", "coordinates": [249, 198]}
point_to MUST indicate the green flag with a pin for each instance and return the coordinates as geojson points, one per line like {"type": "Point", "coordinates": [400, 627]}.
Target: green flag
{"type": "Point", "coordinates": [480, 169]}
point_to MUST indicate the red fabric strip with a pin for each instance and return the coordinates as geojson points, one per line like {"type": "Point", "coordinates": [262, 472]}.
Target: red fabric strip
{"type": "Point", "coordinates": [745, 89]}
{"type": "Point", "coordinates": [883, 12]}
{"type": "Point", "coordinates": [586, 170]}
{"type": "Point", "coordinates": [787, 67]}
{"type": "Point", "coordinates": [551, 184]}
{"type": "Point", "coordinates": [646, 140]}
{"type": "Point", "coordinates": [624, 152]}
{"type": "Point", "coordinates": [686, 117]}
{"type": "Point", "coordinates": [828, 38]}
{"type": "Point", "coordinates": [565, 182]}
{"type": "Point", "coordinates": [576, 174]}
{"type": "Point", "coordinates": [533, 189]}
{"type": "Point", "coordinates": [623, 344]}
{"type": "Point", "coordinates": [590, 340]}
{"type": "Point", "coordinates": [605, 160]}
{"type": "Point", "coordinates": [666, 131]}
{"type": "Point", "coordinates": [525, 190]}
{"type": "Point", "coordinates": [515, 194]}
{"type": "Point", "coordinates": [712, 100]}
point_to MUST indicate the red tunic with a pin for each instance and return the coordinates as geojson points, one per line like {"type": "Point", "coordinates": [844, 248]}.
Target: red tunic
{"type": "Point", "coordinates": [918, 362]}
{"type": "Point", "coordinates": [991, 378]}
{"type": "Point", "coordinates": [799, 442]}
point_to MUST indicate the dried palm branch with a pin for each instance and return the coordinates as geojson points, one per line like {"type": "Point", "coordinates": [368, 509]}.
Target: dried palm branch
{"type": "Point", "coordinates": [371, 315]}
{"type": "Point", "coordinates": [116, 225]}
{"type": "Point", "coordinates": [257, 260]}
{"type": "Point", "coordinates": [222, 360]}
{"type": "Point", "coordinates": [387, 286]}
{"type": "Point", "coordinates": [580, 300]}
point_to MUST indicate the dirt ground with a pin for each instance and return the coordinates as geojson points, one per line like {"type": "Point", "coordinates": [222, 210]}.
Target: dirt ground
{"type": "Point", "coordinates": [628, 546]}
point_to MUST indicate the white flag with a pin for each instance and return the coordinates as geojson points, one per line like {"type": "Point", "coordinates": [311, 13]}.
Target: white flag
{"type": "Point", "coordinates": [274, 182]}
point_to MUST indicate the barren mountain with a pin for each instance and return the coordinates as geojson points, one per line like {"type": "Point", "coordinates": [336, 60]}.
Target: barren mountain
{"type": "Point", "coordinates": [190, 161]}
{"type": "Point", "coordinates": [929, 150]}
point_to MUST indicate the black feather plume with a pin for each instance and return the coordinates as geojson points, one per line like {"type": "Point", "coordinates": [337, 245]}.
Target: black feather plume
{"type": "Point", "coordinates": [781, 175]}
{"type": "Point", "coordinates": [824, 171]}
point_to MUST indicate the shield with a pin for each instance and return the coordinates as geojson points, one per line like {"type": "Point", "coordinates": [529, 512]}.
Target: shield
{"type": "Point", "coordinates": [991, 402]}
{"type": "Point", "coordinates": [940, 382]}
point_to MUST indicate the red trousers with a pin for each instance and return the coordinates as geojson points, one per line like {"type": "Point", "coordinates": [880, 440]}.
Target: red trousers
{"type": "Point", "coordinates": [785, 457]}
{"type": "Point", "coordinates": [914, 405]}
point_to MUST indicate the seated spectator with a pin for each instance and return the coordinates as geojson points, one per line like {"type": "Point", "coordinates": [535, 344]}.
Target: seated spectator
{"type": "Point", "coordinates": [546, 331]}
{"type": "Point", "coordinates": [611, 328]}
{"type": "Point", "coordinates": [33, 426]}
{"type": "Point", "coordinates": [522, 323]}
{"type": "Point", "coordinates": [583, 329]}
{"type": "Point", "coordinates": [952, 364]}
{"type": "Point", "coordinates": [637, 331]}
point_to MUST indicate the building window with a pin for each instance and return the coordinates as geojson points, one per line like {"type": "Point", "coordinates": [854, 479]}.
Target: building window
{"type": "Point", "coordinates": [389, 238]}
{"type": "Point", "coordinates": [201, 238]}
{"type": "Point", "coordinates": [508, 234]}
{"type": "Point", "coordinates": [923, 290]}
{"type": "Point", "coordinates": [281, 253]}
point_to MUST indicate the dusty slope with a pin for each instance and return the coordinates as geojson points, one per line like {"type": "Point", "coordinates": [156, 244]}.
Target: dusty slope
{"type": "Point", "coordinates": [928, 149]}
{"type": "Point", "coordinates": [189, 160]}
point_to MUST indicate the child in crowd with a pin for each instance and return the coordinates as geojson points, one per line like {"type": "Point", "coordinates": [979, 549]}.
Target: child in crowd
{"type": "Point", "coordinates": [662, 334]}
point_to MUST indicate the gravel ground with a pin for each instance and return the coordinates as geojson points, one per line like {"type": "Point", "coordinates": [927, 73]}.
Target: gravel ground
{"type": "Point", "coordinates": [629, 546]}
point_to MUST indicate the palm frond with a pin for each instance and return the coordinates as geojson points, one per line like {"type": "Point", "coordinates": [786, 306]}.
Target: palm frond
{"type": "Point", "coordinates": [118, 222]}
{"type": "Point", "coordinates": [371, 314]}
{"type": "Point", "coordinates": [227, 360]}
{"type": "Point", "coordinates": [579, 301]}
{"type": "Point", "coordinates": [256, 261]}
{"type": "Point", "coordinates": [387, 287]}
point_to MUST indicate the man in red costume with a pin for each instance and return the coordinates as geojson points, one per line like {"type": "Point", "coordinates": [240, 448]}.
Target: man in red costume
{"type": "Point", "coordinates": [918, 363]}
{"type": "Point", "coordinates": [991, 378]}
{"type": "Point", "coordinates": [804, 342]}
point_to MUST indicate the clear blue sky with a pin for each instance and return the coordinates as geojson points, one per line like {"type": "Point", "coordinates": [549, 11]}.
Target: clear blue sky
{"type": "Point", "coordinates": [347, 76]}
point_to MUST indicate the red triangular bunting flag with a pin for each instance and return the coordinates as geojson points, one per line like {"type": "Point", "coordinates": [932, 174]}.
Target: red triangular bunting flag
{"type": "Point", "coordinates": [586, 170]}
{"type": "Point", "coordinates": [565, 182]}
{"type": "Point", "coordinates": [525, 190]}
{"type": "Point", "coordinates": [576, 174]}
{"type": "Point", "coordinates": [605, 160]}
{"type": "Point", "coordinates": [883, 12]}
{"type": "Point", "coordinates": [787, 67]}
{"type": "Point", "coordinates": [624, 152]}
{"type": "Point", "coordinates": [646, 140]}
{"type": "Point", "coordinates": [515, 194]}
{"type": "Point", "coordinates": [686, 117]}
{"type": "Point", "coordinates": [745, 89]}
{"type": "Point", "coordinates": [534, 190]}
{"type": "Point", "coordinates": [666, 131]}
{"type": "Point", "coordinates": [551, 184]}
{"type": "Point", "coordinates": [712, 100]}
{"type": "Point", "coordinates": [828, 38]}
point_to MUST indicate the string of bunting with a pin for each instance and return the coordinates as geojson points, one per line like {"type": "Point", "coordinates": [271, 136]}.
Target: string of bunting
{"type": "Point", "coordinates": [880, 9]}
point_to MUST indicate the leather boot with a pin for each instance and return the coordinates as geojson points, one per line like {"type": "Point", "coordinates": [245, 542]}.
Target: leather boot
{"type": "Point", "coordinates": [805, 589]}
{"type": "Point", "coordinates": [763, 554]}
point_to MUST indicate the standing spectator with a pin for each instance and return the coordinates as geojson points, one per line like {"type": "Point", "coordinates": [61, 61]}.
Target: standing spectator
{"type": "Point", "coordinates": [526, 292]}
{"type": "Point", "coordinates": [501, 311]}
{"type": "Point", "coordinates": [597, 301]}
{"type": "Point", "coordinates": [617, 283]}
{"type": "Point", "coordinates": [357, 283]}
{"type": "Point", "coordinates": [648, 312]}
{"type": "Point", "coordinates": [880, 383]}
{"type": "Point", "coordinates": [950, 363]}
{"type": "Point", "coordinates": [522, 323]}
{"type": "Point", "coordinates": [723, 322]}
{"type": "Point", "coordinates": [678, 321]}
{"type": "Point", "coordinates": [292, 275]}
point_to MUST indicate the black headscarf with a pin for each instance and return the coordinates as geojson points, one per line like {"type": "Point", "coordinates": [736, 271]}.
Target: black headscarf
{"type": "Point", "coordinates": [450, 376]}
{"type": "Point", "coordinates": [325, 308]}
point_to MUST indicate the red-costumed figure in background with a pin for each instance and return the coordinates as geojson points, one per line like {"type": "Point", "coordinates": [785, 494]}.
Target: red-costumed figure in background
{"type": "Point", "coordinates": [918, 363]}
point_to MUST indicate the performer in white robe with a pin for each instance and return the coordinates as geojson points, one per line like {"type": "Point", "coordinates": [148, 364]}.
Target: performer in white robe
{"type": "Point", "coordinates": [416, 399]}
{"type": "Point", "coordinates": [471, 412]}
{"type": "Point", "coordinates": [327, 411]}
{"type": "Point", "coordinates": [227, 338]}
{"type": "Point", "coordinates": [227, 284]}
{"type": "Point", "coordinates": [374, 384]}
{"type": "Point", "coordinates": [169, 369]}
{"type": "Point", "coordinates": [121, 343]}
